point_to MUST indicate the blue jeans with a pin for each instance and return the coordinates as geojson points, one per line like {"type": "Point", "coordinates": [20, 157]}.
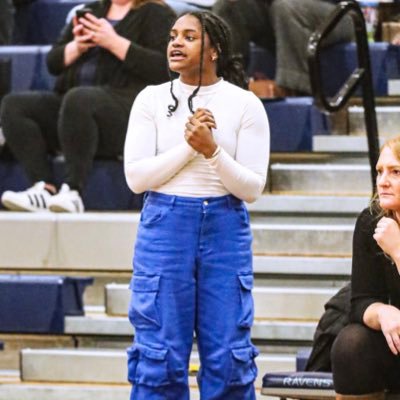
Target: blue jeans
{"type": "Point", "coordinates": [192, 273]}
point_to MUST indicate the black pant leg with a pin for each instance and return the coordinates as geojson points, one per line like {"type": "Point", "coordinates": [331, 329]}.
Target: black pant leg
{"type": "Point", "coordinates": [29, 122]}
{"type": "Point", "coordinates": [92, 123]}
{"type": "Point", "coordinates": [362, 362]}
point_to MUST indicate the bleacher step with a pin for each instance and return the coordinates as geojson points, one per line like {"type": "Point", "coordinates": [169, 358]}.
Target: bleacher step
{"type": "Point", "coordinates": [269, 302]}
{"type": "Point", "coordinates": [302, 239]}
{"type": "Point", "coordinates": [327, 179]}
{"type": "Point", "coordinates": [110, 366]}
{"type": "Point", "coordinates": [308, 204]}
{"type": "Point", "coordinates": [273, 269]}
{"type": "Point", "coordinates": [342, 143]}
{"type": "Point", "coordinates": [13, 343]}
{"type": "Point", "coordinates": [266, 330]}
{"type": "Point", "coordinates": [9, 376]}
{"type": "Point", "coordinates": [60, 391]}
{"type": "Point", "coordinates": [104, 241]}
{"type": "Point", "coordinates": [387, 118]}
{"type": "Point", "coordinates": [303, 266]}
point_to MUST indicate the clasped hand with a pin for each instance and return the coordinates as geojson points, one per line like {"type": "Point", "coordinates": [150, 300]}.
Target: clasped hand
{"type": "Point", "coordinates": [91, 31]}
{"type": "Point", "coordinates": [387, 235]}
{"type": "Point", "coordinates": [198, 132]}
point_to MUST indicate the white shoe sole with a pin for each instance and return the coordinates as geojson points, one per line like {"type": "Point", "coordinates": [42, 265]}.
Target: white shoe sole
{"type": "Point", "coordinates": [10, 205]}
{"type": "Point", "coordinates": [58, 209]}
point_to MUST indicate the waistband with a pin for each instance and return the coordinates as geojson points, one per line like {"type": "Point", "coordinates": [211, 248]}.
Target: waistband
{"type": "Point", "coordinates": [228, 201]}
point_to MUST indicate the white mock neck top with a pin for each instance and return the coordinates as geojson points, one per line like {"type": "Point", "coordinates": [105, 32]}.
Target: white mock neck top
{"type": "Point", "coordinates": [158, 158]}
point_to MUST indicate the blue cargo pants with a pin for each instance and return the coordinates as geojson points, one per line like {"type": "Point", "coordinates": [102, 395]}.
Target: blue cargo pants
{"type": "Point", "coordinates": [192, 273]}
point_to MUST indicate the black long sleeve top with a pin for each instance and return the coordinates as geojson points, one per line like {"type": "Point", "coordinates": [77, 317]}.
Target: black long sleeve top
{"type": "Point", "coordinates": [147, 27]}
{"type": "Point", "coordinates": [374, 276]}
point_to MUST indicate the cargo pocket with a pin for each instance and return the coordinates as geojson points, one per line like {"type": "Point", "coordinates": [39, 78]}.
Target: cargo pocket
{"type": "Point", "coordinates": [143, 310]}
{"type": "Point", "coordinates": [133, 358]}
{"type": "Point", "coordinates": [243, 367]}
{"type": "Point", "coordinates": [152, 367]}
{"type": "Point", "coordinates": [246, 300]}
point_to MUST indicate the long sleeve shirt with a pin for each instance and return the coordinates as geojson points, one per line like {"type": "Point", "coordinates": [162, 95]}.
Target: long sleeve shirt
{"type": "Point", "coordinates": [374, 277]}
{"type": "Point", "coordinates": [158, 158]}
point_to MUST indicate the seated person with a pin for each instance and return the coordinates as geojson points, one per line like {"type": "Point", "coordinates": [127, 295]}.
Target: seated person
{"type": "Point", "coordinates": [365, 355]}
{"type": "Point", "coordinates": [283, 27]}
{"type": "Point", "coordinates": [102, 60]}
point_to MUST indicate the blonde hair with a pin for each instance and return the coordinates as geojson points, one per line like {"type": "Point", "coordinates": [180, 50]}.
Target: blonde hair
{"type": "Point", "coordinates": [394, 145]}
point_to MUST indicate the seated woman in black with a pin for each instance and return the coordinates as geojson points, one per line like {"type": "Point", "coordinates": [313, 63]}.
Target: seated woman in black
{"type": "Point", "coordinates": [102, 61]}
{"type": "Point", "coordinates": [365, 355]}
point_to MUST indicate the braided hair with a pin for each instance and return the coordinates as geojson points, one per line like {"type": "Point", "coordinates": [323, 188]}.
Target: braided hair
{"type": "Point", "coordinates": [229, 65]}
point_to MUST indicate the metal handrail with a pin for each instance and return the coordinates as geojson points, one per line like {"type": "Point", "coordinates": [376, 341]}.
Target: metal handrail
{"type": "Point", "coordinates": [361, 75]}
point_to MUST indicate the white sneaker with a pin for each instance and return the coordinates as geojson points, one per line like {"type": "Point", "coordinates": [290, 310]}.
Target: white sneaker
{"type": "Point", "coordinates": [35, 199]}
{"type": "Point", "coordinates": [66, 200]}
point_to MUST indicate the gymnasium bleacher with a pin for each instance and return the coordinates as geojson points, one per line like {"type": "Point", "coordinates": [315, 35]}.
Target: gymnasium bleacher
{"type": "Point", "coordinates": [106, 189]}
{"type": "Point", "coordinates": [319, 180]}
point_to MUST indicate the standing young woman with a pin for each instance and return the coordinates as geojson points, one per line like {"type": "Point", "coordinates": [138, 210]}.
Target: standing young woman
{"type": "Point", "coordinates": [365, 355]}
{"type": "Point", "coordinates": [199, 146]}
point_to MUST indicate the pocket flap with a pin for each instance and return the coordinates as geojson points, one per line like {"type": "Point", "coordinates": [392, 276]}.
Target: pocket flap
{"type": "Point", "coordinates": [243, 354]}
{"type": "Point", "coordinates": [141, 283]}
{"type": "Point", "coordinates": [246, 281]}
{"type": "Point", "coordinates": [132, 352]}
{"type": "Point", "coordinates": [153, 354]}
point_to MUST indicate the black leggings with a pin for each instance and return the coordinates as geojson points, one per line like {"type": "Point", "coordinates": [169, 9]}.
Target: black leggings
{"type": "Point", "coordinates": [84, 123]}
{"type": "Point", "coordinates": [363, 363]}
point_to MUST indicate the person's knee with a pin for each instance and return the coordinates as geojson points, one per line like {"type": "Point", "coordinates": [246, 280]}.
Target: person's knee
{"type": "Point", "coordinates": [9, 103]}
{"type": "Point", "coordinates": [79, 100]}
{"type": "Point", "coordinates": [9, 111]}
{"type": "Point", "coordinates": [350, 346]}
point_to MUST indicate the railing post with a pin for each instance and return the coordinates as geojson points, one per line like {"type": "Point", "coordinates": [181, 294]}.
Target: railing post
{"type": "Point", "coordinates": [361, 75]}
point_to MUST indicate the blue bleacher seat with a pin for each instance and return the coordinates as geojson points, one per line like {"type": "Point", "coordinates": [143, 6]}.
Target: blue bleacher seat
{"type": "Point", "coordinates": [261, 62]}
{"type": "Point", "coordinates": [24, 64]}
{"type": "Point", "coordinates": [299, 384]}
{"type": "Point", "coordinates": [46, 19]}
{"type": "Point", "coordinates": [302, 356]}
{"type": "Point", "coordinates": [39, 304]}
{"type": "Point", "coordinates": [293, 122]}
{"type": "Point", "coordinates": [12, 176]}
{"type": "Point", "coordinates": [339, 61]}
{"type": "Point", "coordinates": [28, 67]}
